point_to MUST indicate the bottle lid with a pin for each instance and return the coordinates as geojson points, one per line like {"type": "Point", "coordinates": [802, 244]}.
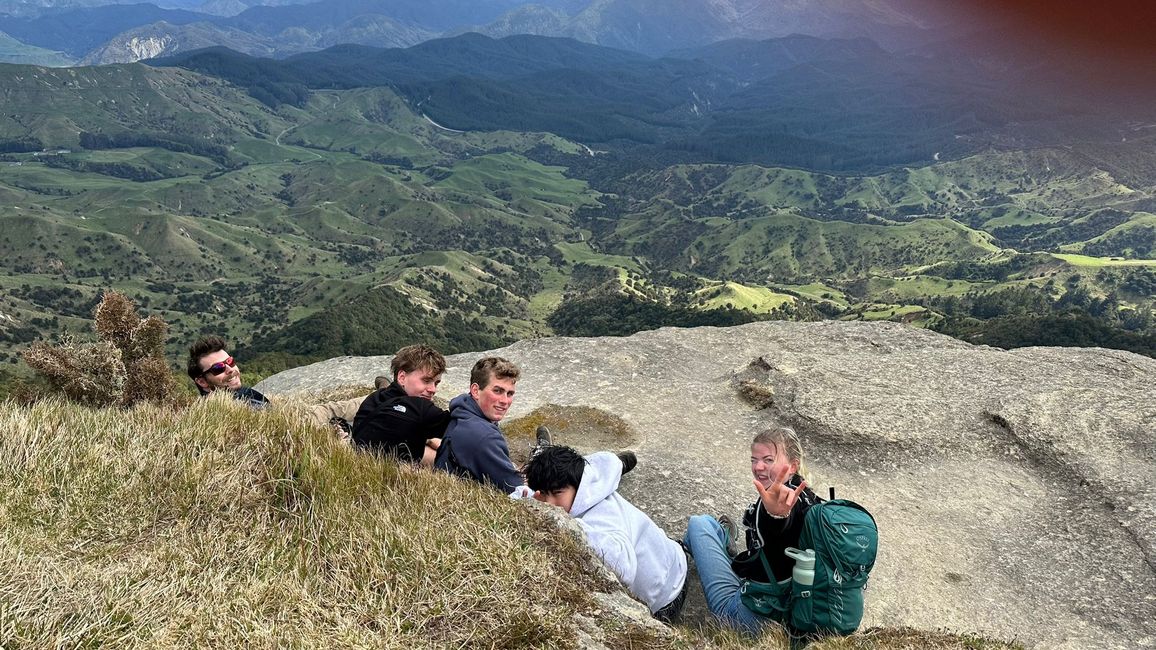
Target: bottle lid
{"type": "Point", "coordinates": [804, 559]}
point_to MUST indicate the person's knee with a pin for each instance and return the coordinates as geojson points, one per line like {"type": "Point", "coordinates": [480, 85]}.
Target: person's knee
{"type": "Point", "coordinates": [701, 521]}
{"type": "Point", "coordinates": [699, 524]}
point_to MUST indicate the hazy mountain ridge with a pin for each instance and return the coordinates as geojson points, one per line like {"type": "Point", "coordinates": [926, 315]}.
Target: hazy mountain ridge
{"type": "Point", "coordinates": [840, 105]}
{"type": "Point", "coordinates": [78, 31]}
{"type": "Point", "coordinates": [13, 51]}
{"type": "Point", "coordinates": [176, 39]}
{"type": "Point", "coordinates": [648, 26]}
{"type": "Point", "coordinates": [639, 25]}
{"type": "Point", "coordinates": [161, 38]}
{"type": "Point", "coordinates": [659, 26]}
{"type": "Point", "coordinates": [33, 8]}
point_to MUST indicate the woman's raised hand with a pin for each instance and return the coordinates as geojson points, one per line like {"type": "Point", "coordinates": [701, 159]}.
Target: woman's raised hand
{"type": "Point", "coordinates": [779, 498]}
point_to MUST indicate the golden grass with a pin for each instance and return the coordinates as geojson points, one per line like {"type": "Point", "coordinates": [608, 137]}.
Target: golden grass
{"type": "Point", "coordinates": [219, 526]}
{"type": "Point", "coordinates": [584, 427]}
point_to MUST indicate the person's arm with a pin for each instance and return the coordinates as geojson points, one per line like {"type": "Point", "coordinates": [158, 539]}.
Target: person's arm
{"type": "Point", "coordinates": [434, 423]}
{"type": "Point", "coordinates": [434, 420]}
{"type": "Point", "coordinates": [492, 460]}
{"type": "Point", "coordinates": [614, 547]}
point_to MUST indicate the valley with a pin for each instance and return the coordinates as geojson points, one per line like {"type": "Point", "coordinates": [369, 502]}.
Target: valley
{"type": "Point", "coordinates": [344, 221]}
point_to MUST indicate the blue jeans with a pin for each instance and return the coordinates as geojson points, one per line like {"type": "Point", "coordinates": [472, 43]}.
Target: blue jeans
{"type": "Point", "coordinates": [707, 541]}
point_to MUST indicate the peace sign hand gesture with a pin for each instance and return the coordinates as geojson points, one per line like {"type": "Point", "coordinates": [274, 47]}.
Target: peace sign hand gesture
{"type": "Point", "coordinates": [779, 498]}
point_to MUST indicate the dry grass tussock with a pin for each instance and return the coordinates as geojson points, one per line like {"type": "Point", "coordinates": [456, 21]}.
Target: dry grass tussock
{"type": "Point", "coordinates": [221, 526]}
{"type": "Point", "coordinates": [584, 427]}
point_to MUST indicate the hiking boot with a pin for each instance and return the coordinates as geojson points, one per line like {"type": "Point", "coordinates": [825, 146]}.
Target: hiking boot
{"type": "Point", "coordinates": [732, 532]}
{"type": "Point", "coordinates": [543, 436]}
{"type": "Point", "coordinates": [382, 381]}
{"type": "Point", "coordinates": [541, 441]}
{"type": "Point", "coordinates": [629, 460]}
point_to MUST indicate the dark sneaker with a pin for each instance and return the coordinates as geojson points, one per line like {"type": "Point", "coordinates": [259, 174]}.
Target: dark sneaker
{"type": "Point", "coordinates": [732, 531]}
{"type": "Point", "coordinates": [629, 460]}
{"type": "Point", "coordinates": [543, 437]}
{"type": "Point", "coordinates": [382, 381]}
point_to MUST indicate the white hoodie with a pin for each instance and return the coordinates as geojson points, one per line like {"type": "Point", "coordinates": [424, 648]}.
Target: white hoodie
{"type": "Point", "coordinates": [651, 565]}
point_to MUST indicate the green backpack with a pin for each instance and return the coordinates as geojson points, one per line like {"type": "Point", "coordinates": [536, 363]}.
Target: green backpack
{"type": "Point", "coordinates": [845, 540]}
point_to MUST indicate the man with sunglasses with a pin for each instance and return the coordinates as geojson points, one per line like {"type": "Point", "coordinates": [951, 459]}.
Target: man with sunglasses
{"type": "Point", "coordinates": [212, 368]}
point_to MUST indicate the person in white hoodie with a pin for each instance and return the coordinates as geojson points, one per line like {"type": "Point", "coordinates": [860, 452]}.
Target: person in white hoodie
{"type": "Point", "coordinates": [651, 565]}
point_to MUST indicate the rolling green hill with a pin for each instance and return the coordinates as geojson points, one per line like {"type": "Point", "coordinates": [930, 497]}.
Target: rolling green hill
{"type": "Point", "coordinates": [13, 51]}
{"type": "Point", "coordinates": [57, 105]}
{"type": "Point", "coordinates": [881, 109]}
{"type": "Point", "coordinates": [292, 229]}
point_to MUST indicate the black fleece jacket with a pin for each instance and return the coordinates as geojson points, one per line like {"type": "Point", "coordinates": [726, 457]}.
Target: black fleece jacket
{"type": "Point", "coordinates": [389, 421]}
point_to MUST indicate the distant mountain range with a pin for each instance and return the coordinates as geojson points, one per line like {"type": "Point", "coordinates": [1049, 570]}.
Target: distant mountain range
{"type": "Point", "coordinates": [828, 104]}
{"type": "Point", "coordinates": [517, 186]}
{"type": "Point", "coordinates": [115, 33]}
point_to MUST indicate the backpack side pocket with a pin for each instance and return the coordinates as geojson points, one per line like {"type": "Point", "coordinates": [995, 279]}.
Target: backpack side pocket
{"type": "Point", "coordinates": [770, 599]}
{"type": "Point", "coordinates": [802, 615]}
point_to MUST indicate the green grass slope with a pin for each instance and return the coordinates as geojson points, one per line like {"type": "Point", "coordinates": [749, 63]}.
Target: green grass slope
{"type": "Point", "coordinates": [1134, 239]}
{"type": "Point", "coordinates": [786, 247]}
{"type": "Point", "coordinates": [13, 51]}
{"type": "Point", "coordinates": [55, 104]}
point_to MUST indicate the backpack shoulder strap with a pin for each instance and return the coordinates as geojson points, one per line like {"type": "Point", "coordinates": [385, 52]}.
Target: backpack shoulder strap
{"type": "Point", "coordinates": [763, 547]}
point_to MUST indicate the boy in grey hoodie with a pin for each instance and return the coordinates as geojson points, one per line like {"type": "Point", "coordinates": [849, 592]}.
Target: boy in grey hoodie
{"type": "Point", "coordinates": [651, 565]}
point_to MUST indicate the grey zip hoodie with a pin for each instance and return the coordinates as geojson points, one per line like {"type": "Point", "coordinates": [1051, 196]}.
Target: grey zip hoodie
{"type": "Point", "coordinates": [651, 565]}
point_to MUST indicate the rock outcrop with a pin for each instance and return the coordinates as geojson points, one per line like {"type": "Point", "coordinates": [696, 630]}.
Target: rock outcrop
{"type": "Point", "coordinates": [1014, 490]}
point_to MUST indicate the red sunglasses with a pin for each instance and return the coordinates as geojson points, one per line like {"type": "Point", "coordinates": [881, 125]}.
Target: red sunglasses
{"type": "Point", "coordinates": [219, 367]}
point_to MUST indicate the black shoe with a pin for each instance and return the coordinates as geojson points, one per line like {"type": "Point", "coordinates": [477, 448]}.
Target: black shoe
{"type": "Point", "coordinates": [629, 460]}
{"type": "Point", "coordinates": [543, 436]}
{"type": "Point", "coordinates": [382, 381]}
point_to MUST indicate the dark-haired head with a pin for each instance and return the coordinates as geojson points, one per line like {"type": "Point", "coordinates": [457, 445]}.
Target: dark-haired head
{"type": "Point", "coordinates": [555, 467]}
{"type": "Point", "coordinates": [203, 347]}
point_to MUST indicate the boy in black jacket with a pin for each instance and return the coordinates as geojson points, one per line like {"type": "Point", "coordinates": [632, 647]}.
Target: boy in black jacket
{"type": "Point", "coordinates": [401, 419]}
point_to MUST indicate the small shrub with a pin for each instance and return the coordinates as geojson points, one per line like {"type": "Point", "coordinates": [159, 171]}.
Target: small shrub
{"type": "Point", "coordinates": [92, 374]}
{"type": "Point", "coordinates": [125, 367]}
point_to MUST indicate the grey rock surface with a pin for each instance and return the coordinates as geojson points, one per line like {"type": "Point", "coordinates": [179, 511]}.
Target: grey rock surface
{"type": "Point", "coordinates": [1014, 490]}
